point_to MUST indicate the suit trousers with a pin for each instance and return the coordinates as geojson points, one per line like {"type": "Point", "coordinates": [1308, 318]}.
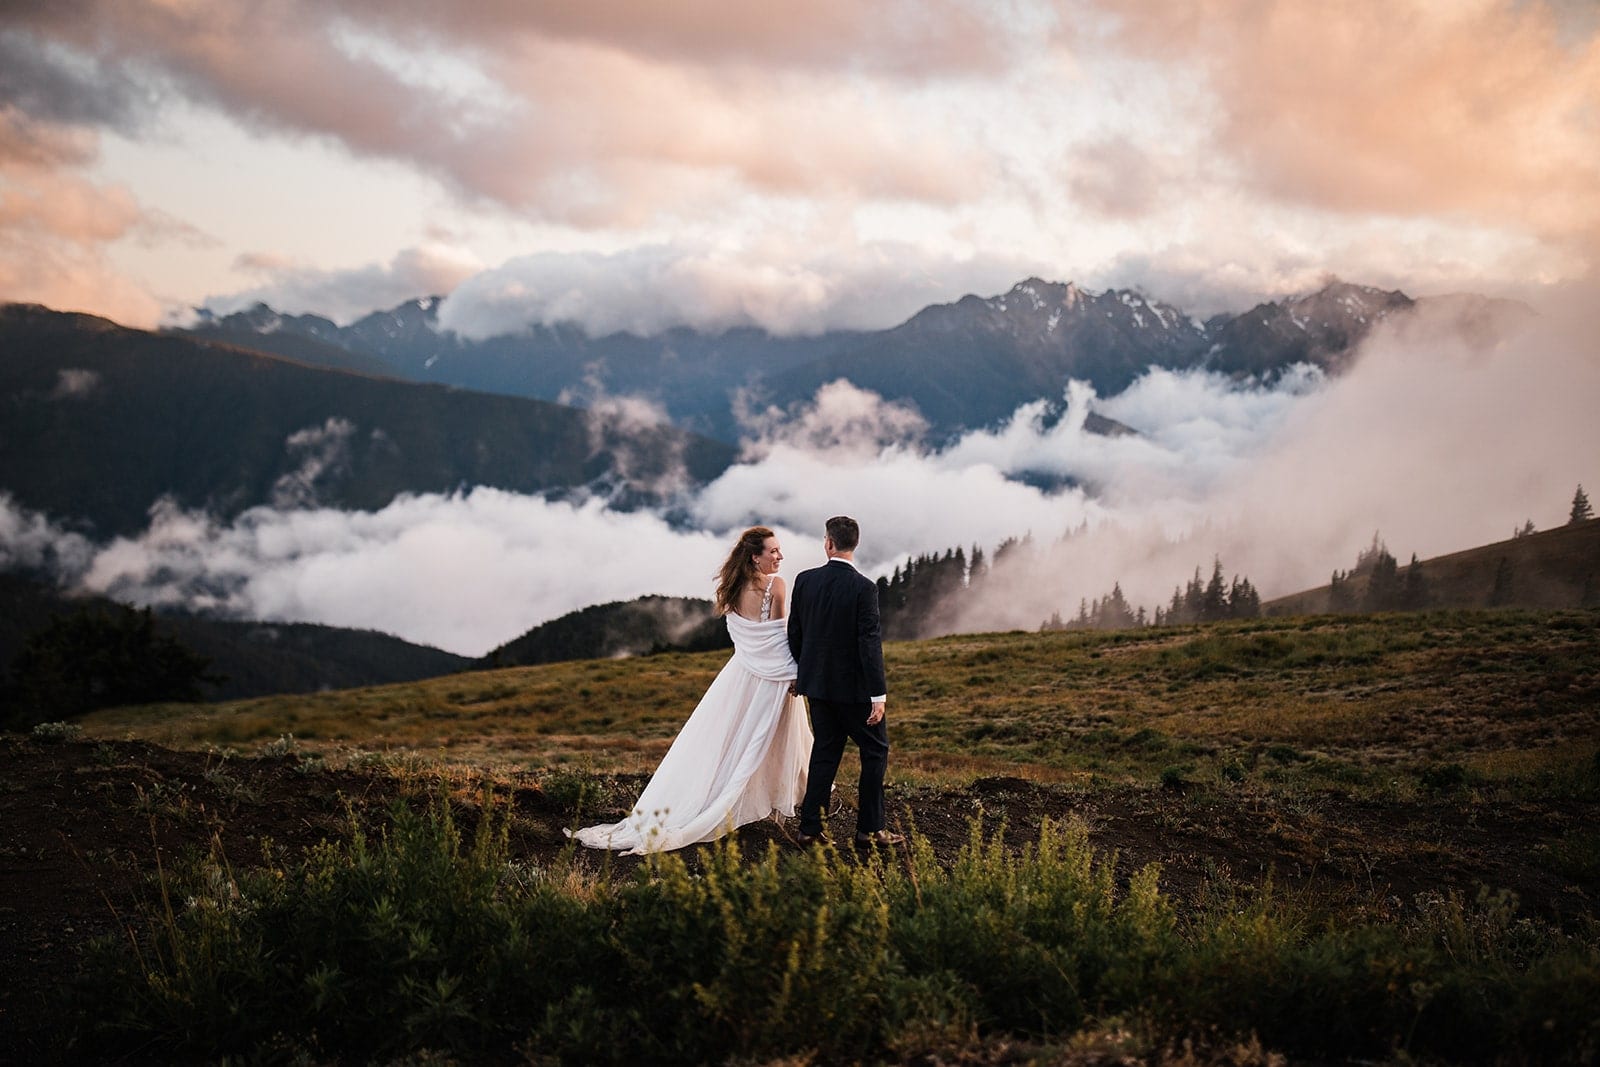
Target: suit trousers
{"type": "Point", "coordinates": [832, 724]}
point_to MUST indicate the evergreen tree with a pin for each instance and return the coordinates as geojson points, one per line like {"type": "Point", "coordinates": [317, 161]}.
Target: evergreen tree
{"type": "Point", "coordinates": [1524, 530]}
{"type": "Point", "coordinates": [1383, 585]}
{"type": "Point", "coordinates": [1214, 601]}
{"type": "Point", "coordinates": [1501, 594]}
{"type": "Point", "coordinates": [1413, 587]}
{"type": "Point", "coordinates": [1368, 557]}
{"type": "Point", "coordinates": [1194, 598]}
{"type": "Point", "coordinates": [95, 659]}
{"type": "Point", "coordinates": [1243, 600]}
{"type": "Point", "coordinates": [1115, 614]}
{"type": "Point", "coordinates": [1581, 511]}
{"type": "Point", "coordinates": [1341, 598]}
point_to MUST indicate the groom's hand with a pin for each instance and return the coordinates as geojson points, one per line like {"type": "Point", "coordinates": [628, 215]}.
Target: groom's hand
{"type": "Point", "coordinates": [876, 716]}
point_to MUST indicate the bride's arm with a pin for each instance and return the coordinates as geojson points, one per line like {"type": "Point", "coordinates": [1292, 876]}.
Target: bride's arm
{"type": "Point", "coordinates": [780, 598]}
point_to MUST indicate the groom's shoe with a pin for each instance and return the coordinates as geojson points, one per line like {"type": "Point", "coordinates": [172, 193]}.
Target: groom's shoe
{"type": "Point", "coordinates": [805, 840]}
{"type": "Point", "coordinates": [880, 839]}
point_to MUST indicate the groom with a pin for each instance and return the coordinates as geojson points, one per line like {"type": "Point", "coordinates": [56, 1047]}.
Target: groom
{"type": "Point", "coordinates": [834, 635]}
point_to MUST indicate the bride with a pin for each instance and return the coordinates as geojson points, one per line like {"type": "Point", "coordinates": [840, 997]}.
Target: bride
{"type": "Point", "coordinates": [743, 753]}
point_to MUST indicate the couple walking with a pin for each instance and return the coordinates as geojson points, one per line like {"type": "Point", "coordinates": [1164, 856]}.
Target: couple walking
{"type": "Point", "coordinates": [746, 752]}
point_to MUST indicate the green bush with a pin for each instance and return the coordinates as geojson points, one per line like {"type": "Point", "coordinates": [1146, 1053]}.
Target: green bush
{"type": "Point", "coordinates": [1035, 942]}
{"type": "Point", "coordinates": [415, 937]}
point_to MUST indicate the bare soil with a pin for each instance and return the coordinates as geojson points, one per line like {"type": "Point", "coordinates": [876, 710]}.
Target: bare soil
{"type": "Point", "coordinates": [84, 826]}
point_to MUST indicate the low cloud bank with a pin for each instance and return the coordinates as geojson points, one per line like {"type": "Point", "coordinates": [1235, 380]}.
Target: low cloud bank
{"type": "Point", "coordinates": [1440, 438]}
{"type": "Point", "coordinates": [786, 286]}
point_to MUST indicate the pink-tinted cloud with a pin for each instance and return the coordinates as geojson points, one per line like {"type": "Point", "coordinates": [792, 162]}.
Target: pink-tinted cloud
{"type": "Point", "coordinates": [903, 38]}
{"type": "Point", "coordinates": [604, 114]}
{"type": "Point", "coordinates": [346, 294]}
{"type": "Point", "coordinates": [55, 227]}
{"type": "Point", "coordinates": [1116, 178]}
{"type": "Point", "coordinates": [1486, 110]}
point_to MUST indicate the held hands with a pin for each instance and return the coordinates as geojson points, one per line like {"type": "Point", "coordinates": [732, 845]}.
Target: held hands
{"type": "Point", "coordinates": [876, 715]}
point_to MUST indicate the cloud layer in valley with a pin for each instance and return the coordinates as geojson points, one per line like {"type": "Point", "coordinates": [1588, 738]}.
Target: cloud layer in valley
{"type": "Point", "coordinates": [1283, 483]}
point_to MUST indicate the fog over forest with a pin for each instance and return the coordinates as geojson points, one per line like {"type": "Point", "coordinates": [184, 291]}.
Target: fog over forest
{"type": "Point", "coordinates": [1441, 438]}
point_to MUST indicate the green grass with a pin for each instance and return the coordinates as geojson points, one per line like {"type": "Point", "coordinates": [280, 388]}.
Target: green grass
{"type": "Point", "coordinates": [1359, 702]}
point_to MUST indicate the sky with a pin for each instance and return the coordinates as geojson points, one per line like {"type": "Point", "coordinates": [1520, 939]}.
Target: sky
{"type": "Point", "coordinates": [637, 164]}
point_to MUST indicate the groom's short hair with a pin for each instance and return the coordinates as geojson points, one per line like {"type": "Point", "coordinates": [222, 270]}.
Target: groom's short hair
{"type": "Point", "coordinates": [844, 533]}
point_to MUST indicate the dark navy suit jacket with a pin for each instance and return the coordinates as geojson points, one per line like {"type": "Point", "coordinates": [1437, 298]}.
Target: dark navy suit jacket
{"type": "Point", "coordinates": [834, 634]}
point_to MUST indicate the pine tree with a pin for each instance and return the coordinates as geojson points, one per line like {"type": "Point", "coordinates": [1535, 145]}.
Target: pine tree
{"type": "Point", "coordinates": [1340, 597]}
{"type": "Point", "coordinates": [1581, 511]}
{"type": "Point", "coordinates": [1368, 557]}
{"type": "Point", "coordinates": [1194, 598]}
{"type": "Point", "coordinates": [1243, 600]}
{"type": "Point", "coordinates": [1383, 586]}
{"type": "Point", "coordinates": [1214, 601]}
{"type": "Point", "coordinates": [1413, 587]}
{"type": "Point", "coordinates": [1501, 594]}
{"type": "Point", "coordinates": [95, 659]}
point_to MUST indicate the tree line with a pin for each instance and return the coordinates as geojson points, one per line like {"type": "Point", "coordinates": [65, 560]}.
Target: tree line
{"type": "Point", "coordinates": [925, 595]}
{"type": "Point", "coordinates": [94, 658]}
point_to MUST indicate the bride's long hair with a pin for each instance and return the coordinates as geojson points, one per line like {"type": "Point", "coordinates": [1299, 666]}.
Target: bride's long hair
{"type": "Point", "coordinates": [740, 567]}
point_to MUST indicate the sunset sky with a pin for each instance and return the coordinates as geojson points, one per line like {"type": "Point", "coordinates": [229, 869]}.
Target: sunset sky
{"type": "Point", "coordinates": [643, 164]}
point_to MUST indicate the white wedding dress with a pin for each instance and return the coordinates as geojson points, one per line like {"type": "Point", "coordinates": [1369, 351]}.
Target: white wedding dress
{"type": "Point", "coordinates": [742, 755]}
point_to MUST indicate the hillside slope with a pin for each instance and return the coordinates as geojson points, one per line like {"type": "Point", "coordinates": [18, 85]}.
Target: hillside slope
{"type": "Point", "coordinates": [99, 422]}
{"type": "Point", "coordinates": [1557, 568]}
{"type": "Point", "coordinates": [622, 628]}
{"type": "Point", "coordinates": [254, 658]}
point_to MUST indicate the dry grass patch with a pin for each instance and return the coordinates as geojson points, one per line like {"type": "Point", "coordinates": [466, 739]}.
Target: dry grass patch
{"type": "Point", "coordinates": [1345, 702]}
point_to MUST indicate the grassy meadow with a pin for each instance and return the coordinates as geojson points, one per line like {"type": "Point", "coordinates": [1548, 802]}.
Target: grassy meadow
{"type": "Point", "coordinates": [1320, 840]}
{"type": "Point", "coordinates": [1378, 705]}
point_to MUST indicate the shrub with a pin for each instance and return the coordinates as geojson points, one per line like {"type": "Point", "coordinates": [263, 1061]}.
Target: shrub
{"type": "Point", "coordinates": [414, 938]}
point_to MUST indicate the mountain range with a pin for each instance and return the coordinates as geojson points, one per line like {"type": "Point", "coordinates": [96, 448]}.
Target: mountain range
{"type": "Point", "coordinates": [963, 365]}
{"type": "Point", "coordinates": [258, 408]}
{"type": "Point", "coordinates": [100, 422]}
